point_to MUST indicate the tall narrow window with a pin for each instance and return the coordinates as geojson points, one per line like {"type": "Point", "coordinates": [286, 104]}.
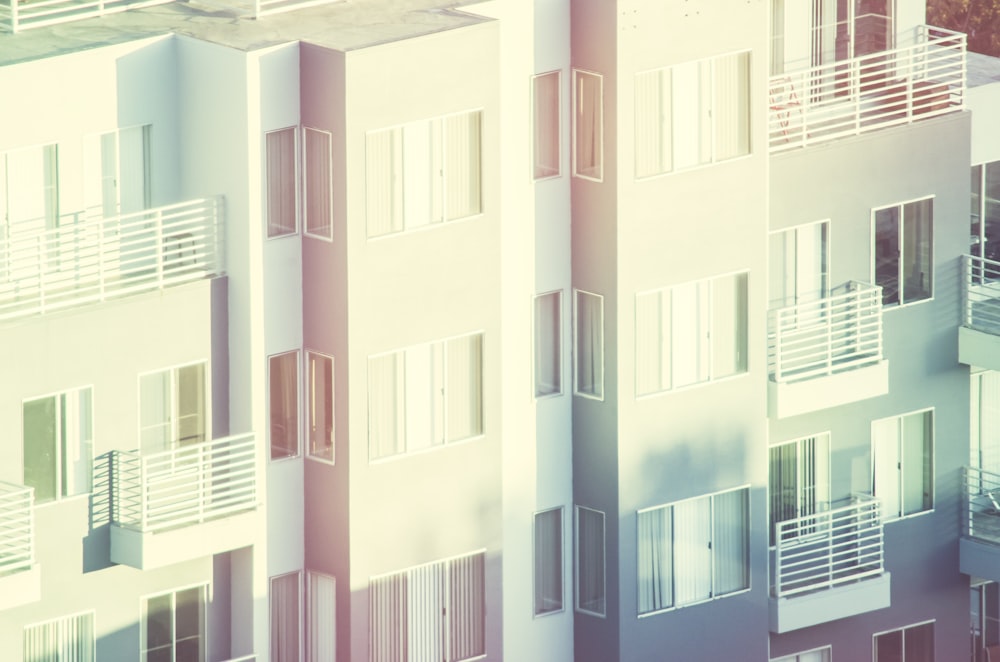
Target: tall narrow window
{"type": "Point", "coordinates": [799, 482]}
{"type": "Point", "coordinates": [320, 405]}
{"type": "Point", "coordinates": [910, 644]}
{"type": "Point", "coordinates": [172, 408]}
{"type": "Point", "coordinates": [116, 171]}
{"type": "Point", "coordinates": [588, 125]}
{"type": "Point", "coordinates": [691, 333]}
{"type": "Point", "coordinates": [984, 398]}
{"type": "Point", "coordinates": [693, 550]}
{"type": "Point", "coordinates": [545, 148]}
{"type": "Point", "coordinates": [548, 562]}
{"type": "Point", "coordinates": [29, 190]}
{"type": "Point", "coordinates": [588, 332]}
{"type": "Point", "coordinates": [321, 618]}
{"type": "Point", "coordinates": [903, 454]}
{"type": "Point", "coordinates": [285, 617]}
{"type": "Point", "coordinates": [280, 160]}
{"type": "Point", "coordinates": [318, 182]}
{"type": "Point", "coordinates": [173, 626]}
{"type": "Point", "coordinates": [58, 444]}
{"type": "Point", "coordinates": [904, 251]}
{"type": "Point", "coordinates": [985, 211]}
{"type": "Point", "coordinates": [68, 639]}
{"type": "Point", "coordinates": [800, 269]}
{"type": "Point", "coordinates": [283, 377]}
{"type": "Point", "coordinates": [590, 586]}
{"type": "Point", "coordinates": [548, 344]}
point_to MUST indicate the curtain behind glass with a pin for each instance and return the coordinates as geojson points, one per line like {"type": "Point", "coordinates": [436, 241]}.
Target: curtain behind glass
{"type": "Point", "coordinates": [284, 395]}
{"type": "Point", "coordinates": [425, 609]}
{"type": "Point", "coordinates": [545, 93]}
{"type": "Point", "coordinates": [384, 181]}
{"type": "Point", "coordinates": [190, 625]}
{"type": "Point", "coordinates": [388, 621]}
{"type": "Point", "coordinates": [917, 256]}
{"type": "Point", "coordinates": [462, 165]}
{"type": "Point", "coordinates": [280, 148]}
{"type": "Point", "coordinates": [548, 344]}
{"type": "Point", "coordinates": [692, 553]}
{"type": "Point", "coordinates": [989, 421]}
{"type": "Point", "coordinates": [588, 124]}
{"type": "Point", "coordinates": [731, 541]}
{"type": "Point", "coordinates": [918, 643]}
{"type": "Point", "coordinates": [68, 639]}
{"type": "Point", "coordinates": [191, 404]}
{"type": "Point", "coordinates": [155, 412]}
{"type": "Point", "coordinates": [655, 572]}
{"type": "Point", "coordinates": [885, 445]}
{"type": "Point", "coordinates": [783, 485]}
{"type": "Point", "coordinates": [318, 183]}
{"type": "Point", "coordinates": [590, 560]}
{"type": "Point", "coordinates": [589, 350]}
{"type": "Point", "coordinates": [77, 475]}
{"type": "Point", "coordinates": [285, 618]}
{"type": "Point", "coordinates": [322, 618]}
{"type": "Point", "coordinates": [548, 561]}
{"type": "Point", "coordinates": [321, 406]}
{"type": "Point", "coordinates": [729, 325]}
{"type": "Point", "coordinates": [917, 465]}
{"type": "Point", "coordinates": [384, 404]}
{"type": "Point", "coordinates": [652, 356]}
{"type": "Point", "coordinates": [653, 130]}
{"type": "Point", "coordinates": [467, 607]}
{"type": "Point", "coordinates": [463, 390]}
{"type": "Point", "coordinates": [731, 114]}
{"type": "Point", "coordinates": [887, 253]}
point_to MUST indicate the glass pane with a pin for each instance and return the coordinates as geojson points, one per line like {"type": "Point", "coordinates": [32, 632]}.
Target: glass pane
{"type": "Point", "coordinates": [322, 617]}
{"type": "Point", "coordinates": [280, 182]}
{"type": "Point", "coordinates": [917, 264]}
{"type": "Point", "coordinates": [548, 344]}
{"type": "Point", "coordinates": [918, 643]}
{"type": "Point", "coordinates": [191, 404]}
{"type": "Point", "coordinates": [652, 354]}
{"type": "Point", "coordinates": [991, 210]}
{"type": "Point", "coordinates": [889, 647]}
{"type": "Point", "coordinates": [917, 469]}
{"type": "Point", "coordinates": [285, 618]}
{"type": "Point", "coordinates": [653, 132]}
{"type": "Point", "coordinates": [546, 124]}
{"type": "Point", "coordinates": [548, 561]}
{"type": "Point", "coordinates": [284, 404]}
{"type": "Point", "coordinates": [976, 248]}
{"type": "Point", "coordinates": [321, 406]}
{"type": "Point", "coordinates": [159, 624]}
{"type": "Point", "coordinates": [731, 117]}
{"type": "Point", "coordinates": [40, 437]}
{"type": "Point", "coordinates": [731, 541]}
{"type": "Point", "coordinates": [729, 325]}
{"type": "Point", "coordinates": [318, 183]}
{"type": "Point", "coordinates": [467, 607]}
{"type": "Point", "coordinates": [783, 486]}
{"type": "Point", "coordinates": [589, 344]}
{"type": "Point", "coordinates": [461, 165]}
{"type": "Point", "coordinates": [590, 560]}
{"type": "Point", "coordinates": [155, 412]}
{"type": "Point", "coordinates": [464, 387]}
{"type": "Point", "coordinates": [692, 550]}
{"type": "Point", "coordinates": [77, 450]}
{"type": "Point", "coordinates": [384, 181]}
{"type": "Point", "coordinates": [655, 572]}
{"type": "Point", "coordinates": [689, 333]}
{"type": "Point", "coordinates": [588, 127]}
{"type": "Point", "coordinates": [887, 253]}
{"type": "Point", "coordinates": [385, 405]}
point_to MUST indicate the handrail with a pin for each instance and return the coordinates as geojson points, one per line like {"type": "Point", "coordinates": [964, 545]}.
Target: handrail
{"type": "Point", "coordinates": [154, 492]}
{"type": "Point", "coordinates": [981, 505]}
{"type": "Point", "coordinates": [829, 335]}
{"type": "Point", "coordinates": [828, 549]}
{"type": "Point", "coordinates": [923, 77]}
{"type": "Point", "coordinates": [92, 261]}
{"type": "Point", "coordinates": [17, 528]}
{"type": "Point", "coordinates": [17, 15]}
{"type": "Point", "coordinates": [981, 294]}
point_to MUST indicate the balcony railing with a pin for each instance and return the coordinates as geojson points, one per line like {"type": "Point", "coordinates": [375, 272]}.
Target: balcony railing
{"type": "Point", "coordinates": [819, 338]}
{"type": "Point", "coordinates": [981, 294]}
{"type": "Point", "coordinates": [924, 76]}
{"type": "Point", "coordinates": [17, 15]}
{"type": "Point", "coordinates": [981, 506]}
{"type": "Point", "coordinates": [189, 485]}
{"type": "Point", "coordinates": [829, 549]}
{"type": "Point", "coordinates": [96, 260]}
{"type": "Point", "coordinates": [17, 528]}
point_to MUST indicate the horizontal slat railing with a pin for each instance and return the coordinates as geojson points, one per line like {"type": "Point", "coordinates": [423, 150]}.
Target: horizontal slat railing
{"type": "Point", "coordinates": [981, 294]}
{"type": "Point", "coordinates": [267, 7]}
{"type": "Point", "coordinates": [819, 338]}
{"type": "Point", "coordinates": [17, 15]}
{"type": "Point", "coordinates": [924, 76]}
{"type": "Point", "coordinates": [183, 486]}
{"type": "Point", "coordinates": [95, 260]}
{"type": "Point", "coordinates": [17, 528]}
{"type": "Point", "coordinates": [828, 549]}
{"type": "Point", "coordinates": [981, 506]}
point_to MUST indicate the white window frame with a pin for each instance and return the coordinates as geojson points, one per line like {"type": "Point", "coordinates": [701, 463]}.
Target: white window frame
{"type": "Point", "coordinates": [309, 625]}
{"type": "Point", "coordinates": [887, 517]}
{"type": "Point", "coordinates": [797, 657]}
{"type": "Point", "coordinates": [981, 208]}
{"type": "Point", "coordinates": [901, 240]}
{"type": "Point", "coordinates": [535, 125]}
{"type": "Point", "coordinates": [61, 623]}
{"type": "Point", "coordinates": [296, 184]}
{"type": "Point", "coordinates": [206, 599]}
{"type": "Point", "coordinates": [174, 421]}
{"type": "Point", "coordinates": [599, 384]}
{"type": "Point", "coordinates": [798, 442]}
{"type": "Point", "coordinates": [902, 631]}
{"type": "Point", "coordinates": [60, 460]}
{"type": "Point", "coordinates": [308, 395]}
{"type": "Point", "coordinates": [538, 393]}
{"type": "Point", "coordinates": [298, 406]}
{"type": "Point", "coordinates": [827, 228]}
{"type": "Point", "coordinates": [712, 579]}
{"type": "Point", "coordinates": [576, 561]}
{"type": "Point", "coordinates": [306, 130]}
{"type": "Point", "coordinates": [562, 573]}
{"type": "Point", "coordinates": [299, 621]}
{"type": "Point", "coordinates": [578, 75]}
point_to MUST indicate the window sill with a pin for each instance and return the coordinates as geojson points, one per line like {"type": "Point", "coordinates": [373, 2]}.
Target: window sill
{"type": "Point", "coordinates": [548, 396]}
{"type": "Point", "coordinates": [65, 499]}
{"type": "Point", "coordinates": [321, 460]}
{"type": "Point", "coordinates": [320, 237]}
{"type": "Point", "coordinates": [694, 604]}
{"type": "Point", "coordinates": [688, 387]}
{"type": "Point", "coordinates": [425, 228]}
{"type": "Point", "coordinates": [581, 610]}
{"type": "Point", "coordinates": [886, 307]}
{"type": "Point", "coordinates": [589, 396]}
{"type": "Point", "coordinates": [589, 178]}
{"type": "Point", "coordinates": [903, 518]}
{"type": "Point", "coordinates": [700, 166]}
{"type": "Point", "coordinates": [424, 451]}
{"type": "Point", "coordinates": [285, 458]}
{"type": "Point", "coordinates": [554, 612]}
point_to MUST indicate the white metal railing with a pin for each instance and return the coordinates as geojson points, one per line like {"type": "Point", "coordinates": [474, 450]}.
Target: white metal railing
{"type": "Point", "coordinates": [17, 15]}
{"type": "Point", "coordinates": [824, 550]}
{"type": "Point", "coordinates": [17, 528]}
{"type": "Point", "coordinates": [94, 260]}
{"type": "Point", "coordinates": [981, 294]}
{"type": "Point", "coordinates": [267, 7]}
{"type": "Point", "coordinates": [981, 506]}
{"type": "Point", "coordinates": [187, 485]}
{"type": "Point", "coordinates": [819, 338]}
{"type": "Point", "coordinates": [924, 76]}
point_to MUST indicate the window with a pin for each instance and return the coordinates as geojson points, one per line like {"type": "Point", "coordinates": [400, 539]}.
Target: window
{"type": "Point", "coordinates": [904, 251]}
{"type": "Point", "coordinates": [321, 614]}
{"type": "Point", "coordinates": [172, 408]}
{"type": "Point", "coordinates": [282, 203]}
{"type": "Point", "coordinates": [548, 562]}
{"type": "Point", "coordinates": [318, 182]}
{"type": "Point", "coordinates": [985, 211]}
{"type": "Point", "coordinates": [423, 173]}
{"type": "Point", "coordinates": [588, 125]}
{"type": "Point", "coordinates": [173, 626]}
{"type": "Point", "coordinates": [588, 331]}
{"type": "Point", "coordinates": [590, 561]}
{"type": "Point", "coordinates": [819, 655]}
{"type": "Point", "coordinates": [58, 444]}
{"type": "Point", "coordinates": [984, 398]}
{"type": "Point", "coordinates": [694, 550]}
{"type": "Point", "coordinates": [425, 396]}
{"type": "Point", "coordinates": [692, 114]}
{"type": "Point", "coordinates": [984, 617]}
{"type": "Point", "coordinates": [545, 94]}
{"type": "Point", "coordinates": [902, 452]}
{"type": "Point", "coordinates": [68, 639]}
{"type": "Point", "coordinates": [431, 612]}
{"type": "Point", "coordinates": [29, 178]}
{"type": "Point", "coordinates": [800, 265]}
{"type": "Point", "coordinates": [283, 378]}
{"type": "Point", "coordinates": [548, 344]}
{"type": "Point", "coordinates": [691, 333]}
{"type": "Point", "coordinates": [285, 607]}
{"type": "Point", "coordinates": [117, 172]}
{"type": "Point", "coordinates": [799, 483]}
{"type": "Point", "coordinates": [320, 405]}
{"type": "Point", "coordinates": [910, 644]}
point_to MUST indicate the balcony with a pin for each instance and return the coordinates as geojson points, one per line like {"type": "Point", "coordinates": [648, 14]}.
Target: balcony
{"type": "Point", "coordinates": [183, 503]}
{"type": "Point", "coordinates": [101, 259]}
{"type": "Point", "coordinates": [979, 547]}
{"type": "Point", "coordinates": [828, 566]}
{"type": "Point", "coordinates": [979, 335]}
{"type": "Point", "coordinates": [20, 575]}
{"type": "Point", "coordinates": [17, 15]}
{"type": "Point", "coordinates": [826, 352]}
{"type": "Point", "coordinates": [923, 76]}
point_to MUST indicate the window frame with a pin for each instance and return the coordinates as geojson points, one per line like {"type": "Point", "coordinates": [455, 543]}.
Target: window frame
{"type": "Point", "coordinates": [535, 127]}
{"type": "Point", "coordinates": [305, 182]}
{"type": "Point", "coordinates": [535, 357]}
{"type": "Point", "coordinates": [60, 459]}
{"type": "Point", "coordinates": [900, 241]}
{"type": "Point", "coordinates": [308, 625]}
{"type": "Point", "coordinates": [887, 518]}
{"type": "Point", "coordinates": [577, 74]}
{"type": "Point", "coordinates": [562, 570]}
{"type": "Point", "coordinates": [296, 183]}
{"type": "Point", "coordinates": [173, 369]}
{"type": "Point", "coordinates": [308, 396]}
{"type": "Point", "coordinates": [64, 620]}
{"type": "Point", "coordinates": [980, 215]}
{"type": "Point", "coordinates": [576, 346]}
{"type": "Point", "coordinates": [298, 381]}
{"type": "Point", "coordinates": [829, 475]}
{"type": "Point", "coordinates": [300, 608]}
{"type": "Point", "coordinates": [576, 561]}
{"type": "Point", "coordinates": [205, 597]}
{"type": "Point", "coordinates": [902, 631]}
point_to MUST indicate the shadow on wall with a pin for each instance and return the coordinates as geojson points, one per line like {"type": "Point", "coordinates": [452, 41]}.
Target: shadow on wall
{"type": "Point", "coordinates": [97, 542]}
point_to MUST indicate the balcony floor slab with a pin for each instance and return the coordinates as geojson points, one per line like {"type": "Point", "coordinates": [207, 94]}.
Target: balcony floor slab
{"type": "Point", "coordinates": [155, 550]}
{"type": "Point", "coordinates": [787, 399]}
{"type": "Point", "coordinates": [823, 606]}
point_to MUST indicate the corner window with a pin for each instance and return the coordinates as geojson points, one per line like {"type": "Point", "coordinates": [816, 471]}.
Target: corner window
{"type": "Point", "coordinates": [588, 125]}
{"type": "Point", "coordinates": [590, 586]}
{"type": "Point", "coordinates": [548, 344]}
{"type": "Point", "coordinates": [172, 408]}
{"type": "Point", "coordinates": [588, 333]}
{"type": "Point", "coordinates": [904, 251]}
{"type": "Point", "coordinates": [57, 440]}
{"type": "Point", "coordinates": [319, 405]}
{"type": "Point", "coordinates": [283, 381]}
{"type": "Point", "coordinates": [548, 562]}
{"type": "Point", "coordinates": [545, 124]}
{"type": "Point", "coordinates": [903, 457]}
{"type": "Point", "coordinates": [173, 626]}
{"type": "Point", "coordinates": [69, 639]}
{"type": "Point", "coordinates": [286, 605]}
{"type": "Point", "coordinates": [318, 182]}
{"type": "Point", "coordinates": [910, 644]}
{"type": "Point", "coordinates": [280, 185]}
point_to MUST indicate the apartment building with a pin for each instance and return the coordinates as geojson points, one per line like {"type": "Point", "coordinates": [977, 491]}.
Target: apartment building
{"type": "Point", "coordinates": [555, 330]}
